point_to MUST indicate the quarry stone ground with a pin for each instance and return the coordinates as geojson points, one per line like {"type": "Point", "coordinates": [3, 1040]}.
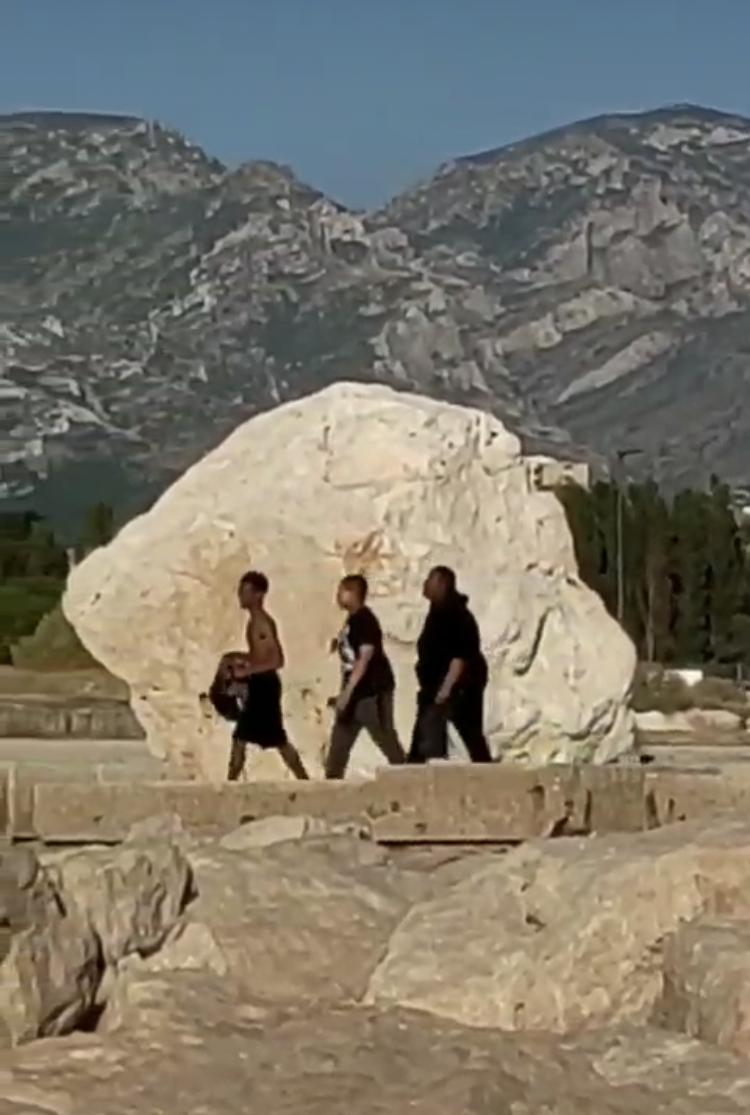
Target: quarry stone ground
{"type": "Point", "coordinates": [324, 975]}
{"type": "Point", "coordinates": [318, 974]}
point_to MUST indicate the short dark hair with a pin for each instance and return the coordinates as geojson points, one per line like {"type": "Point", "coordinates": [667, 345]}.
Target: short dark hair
{"type": "Point", "coordinates": [446, 575]}
{"type": "Point", "coordinates": [255, 580]}
{"type": "Point", "coordinates": [355, 582]}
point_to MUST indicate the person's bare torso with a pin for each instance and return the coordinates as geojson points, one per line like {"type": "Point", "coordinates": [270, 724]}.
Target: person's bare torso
{"type": "Point", "coordinates": [262, 642]}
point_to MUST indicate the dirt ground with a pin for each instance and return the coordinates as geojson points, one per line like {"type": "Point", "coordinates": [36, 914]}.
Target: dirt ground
{"type": "Point", "coordinates": [74, 683]}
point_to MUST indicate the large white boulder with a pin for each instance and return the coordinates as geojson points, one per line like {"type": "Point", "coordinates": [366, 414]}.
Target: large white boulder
{"type": "Point", "coordinates": [356, 478]}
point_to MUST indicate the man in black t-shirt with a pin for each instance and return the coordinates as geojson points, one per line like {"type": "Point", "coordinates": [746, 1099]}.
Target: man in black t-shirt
{"type": "Point", "coordinates": [367, 682]}
{"type": "Point", "coordinates": [451, 672]}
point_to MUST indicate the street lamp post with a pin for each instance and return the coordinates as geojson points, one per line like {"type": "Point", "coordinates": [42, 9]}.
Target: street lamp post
{"type": "Point", "coordinates": [622, 455]}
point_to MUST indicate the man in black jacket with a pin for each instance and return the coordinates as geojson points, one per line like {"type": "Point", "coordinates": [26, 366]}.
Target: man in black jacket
{"type": "Point", "coordinates": [451, 672]}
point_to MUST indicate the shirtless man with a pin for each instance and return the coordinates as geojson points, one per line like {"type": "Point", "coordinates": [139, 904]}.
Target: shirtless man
{"type": "Point", "coordinates": [261, 720]}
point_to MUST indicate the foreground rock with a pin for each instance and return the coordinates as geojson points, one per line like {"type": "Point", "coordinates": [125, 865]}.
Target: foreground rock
{"type": "Point", "coordinates": [356, 478]}
{"type": "Point", "coordinates": [50, 978]}
{"type": "Point", "coordinates": [26, 891]}
{"type": "Point", "coordinates": [196, 1048]}
{"type": "Point", "coordinates": [284, 926]}
{"type": "Point", "coordinates": [73, 922]}
{"type": "Point", "coordinates": [257, 994]}
{"type": "Point", "coordinates": [566, 934]}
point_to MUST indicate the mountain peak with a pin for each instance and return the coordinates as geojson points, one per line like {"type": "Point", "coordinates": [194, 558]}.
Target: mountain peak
{"type": "Point", "coordinates": [609, 124]}
{"type": "Point", "coordinates": [68, 121]}
{"type": "Point", "coordinates": [590, 285]}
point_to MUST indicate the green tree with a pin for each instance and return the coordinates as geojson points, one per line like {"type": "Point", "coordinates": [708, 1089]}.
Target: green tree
{"type": "Point", "coordinates": [647, 546]}
{"type": "Point", "coordinates": [685, 566]}
{"type": "Point", "coordinates": [32, 574]}
{"type": "Point", "coordinates": [726, 573]}
{"type": "Point", "coordinates": [691, 578]}
{"type": "Point", "coordinates": [604, 503]}
{"type": "Point", "coordinates": [99, 528]}
{"type": "Point", "coordinates": [587, 543]}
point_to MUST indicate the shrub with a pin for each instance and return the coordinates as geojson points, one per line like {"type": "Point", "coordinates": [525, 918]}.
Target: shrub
{"type": "Point", "coordinates": [23, 603]}
{"type": "Point", "coordinates": [655, 689]}
{"type": "Point", "coordinates": [717, 693]}
{"type": "Point", "coordinates": [53, 645]}
{"type": "Point", "coordinates": [720, 693]}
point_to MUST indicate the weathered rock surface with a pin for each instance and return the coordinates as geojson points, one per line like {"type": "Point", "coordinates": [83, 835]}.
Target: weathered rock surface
{"type": "Point", "coordinates": [49, 979]}
{"type": "Point", "coordinates": [73, 921]}
{"type": "Point", "coordinates": [196, 1048]}
{"type": "Point", "coordinates": [705, 990]}
{"type": "Point", "coordinates": [356, 478]}
{"type": "Point", "coordinates": [566, 934]}
{"type": "Point", "coordinates": [131, 900]}
{"type": "Point", "coordinates": [289, 927]}
{"type": "Point", "coordinates": [26, 891]}
{"type": "Point", "coordinates": [50, 975]}
{"type": "Point", "coordinates": [181, 1031]}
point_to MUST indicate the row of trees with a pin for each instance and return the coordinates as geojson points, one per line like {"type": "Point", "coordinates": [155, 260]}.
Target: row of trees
{"type": "Point", "coordinates": [676, 569]}
{"type": "Point", "coordinates": [34, 565]}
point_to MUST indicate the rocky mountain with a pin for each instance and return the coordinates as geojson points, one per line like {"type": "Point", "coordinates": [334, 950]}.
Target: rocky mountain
{"type": "Point", "coordinates": [591, 286]}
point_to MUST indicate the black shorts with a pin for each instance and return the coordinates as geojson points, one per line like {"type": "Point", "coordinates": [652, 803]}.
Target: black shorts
{"type": "Point", "coordinates": [261, 720]}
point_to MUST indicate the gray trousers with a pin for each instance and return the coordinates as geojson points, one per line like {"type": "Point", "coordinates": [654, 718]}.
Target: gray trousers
{"type": "Point", "coordinates": [375, 715]}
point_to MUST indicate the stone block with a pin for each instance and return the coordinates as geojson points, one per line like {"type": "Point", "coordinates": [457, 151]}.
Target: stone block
{"type": "Point", "coordinates": [41, 719]}
{"type": "Point", "coordinates": [460, 803]}
{"type": "Point", "coordinates": [6, 781]}
{"type": "Point", "coordinates": [144, 769]}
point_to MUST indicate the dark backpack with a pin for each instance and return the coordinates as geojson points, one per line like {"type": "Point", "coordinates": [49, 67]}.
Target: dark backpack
{"type": "Point", "coordinates": [224, 701]}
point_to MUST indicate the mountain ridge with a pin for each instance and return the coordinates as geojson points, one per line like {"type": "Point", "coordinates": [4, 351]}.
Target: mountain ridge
{"type": "Point", "coordinates": [590, 285]}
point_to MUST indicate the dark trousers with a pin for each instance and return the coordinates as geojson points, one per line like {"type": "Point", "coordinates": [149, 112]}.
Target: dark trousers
{"type": "Point", "coordinates": [465, 711]}
{"type": "Point", "coordinates": [375, 715]}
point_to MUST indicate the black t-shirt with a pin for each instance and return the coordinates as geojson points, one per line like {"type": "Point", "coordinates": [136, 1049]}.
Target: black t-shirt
{"type": "Point", "coordinates": [450, 631]}
{"type": "Point", "coordinates": [363, 629]}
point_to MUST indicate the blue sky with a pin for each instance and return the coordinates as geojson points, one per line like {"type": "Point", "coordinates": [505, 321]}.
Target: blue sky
{"type": "Point", "coordinates": [363, 98]}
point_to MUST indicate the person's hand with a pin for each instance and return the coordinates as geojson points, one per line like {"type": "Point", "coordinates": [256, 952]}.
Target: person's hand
{"type": "Point", "coordinates": [342, 703]}
{"type": "Point", "coordinates": [442, 696]}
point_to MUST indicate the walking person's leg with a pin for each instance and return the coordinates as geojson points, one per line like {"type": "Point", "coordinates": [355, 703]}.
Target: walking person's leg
{"type": "Point", "coordinates": [293, 761]}
{"type": "Point", "coordinates": [430, 736]}
{"type": "Point", "coordinates": [467, 717]}
{"type": "Point", "coordinates": [375, 714]}
{"type": "Point", "coordinates": [263, 723]}
{"type": "Point", "coordinates": [343, 737]}
{"type": "Point", "coordinates": [236, 759]}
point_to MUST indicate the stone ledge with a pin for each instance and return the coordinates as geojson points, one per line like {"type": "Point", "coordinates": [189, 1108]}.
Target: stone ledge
{"type": "Point", "coordinates": [67, 719]}
{"type": "Point", "coordinates": [407, 805]}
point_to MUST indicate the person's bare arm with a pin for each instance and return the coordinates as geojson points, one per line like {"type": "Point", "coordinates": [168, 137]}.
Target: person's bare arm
{"type": "Point", "coordinates": [276, 648]}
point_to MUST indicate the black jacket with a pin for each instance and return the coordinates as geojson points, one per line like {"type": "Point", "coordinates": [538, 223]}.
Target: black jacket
{"type": "Point", "coordinates": [450, 631]}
